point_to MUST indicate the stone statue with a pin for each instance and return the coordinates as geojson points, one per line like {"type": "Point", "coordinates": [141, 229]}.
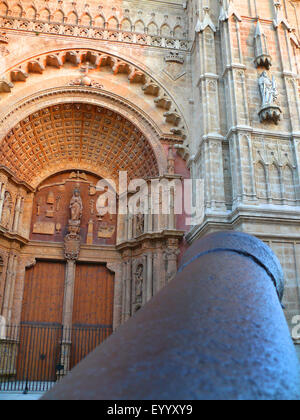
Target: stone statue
{"type": "Point", "coordinates": [139, 284]}
{"type": "Point", "coordinates": [268, 89]}
{"type": "Point", "coordinates": [6, 212]}
{"type": "Point", "coordinates": [140, 222]}
{"type": "Point", "coordinates": [76, 206]}
{"type": "Point", "coordinates": [270, 110]}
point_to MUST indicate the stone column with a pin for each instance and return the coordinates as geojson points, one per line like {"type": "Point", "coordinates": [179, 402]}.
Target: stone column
{"type": "Point", "coordinates": [171, 216]}
{"type": "Point", "coordinates": [117, 268]}
{"type": "Point", "coordinates": [124, 274]}
{"type": "Point", "coordinates": [9, 288]}
{"type": "Point", "coordinates": [149, 216]}
{"type": "Point", "coordinates": [130, 227]}
{"type": "Point", "coordinates": [158, 271]}
{"type": "Point", "coordinates": [12, 289]}
{"type": "Point", "coordinates": [171, 255]}
{"type": "Point", "coordinates": [17, 214]}
{"type": "Point", "coordinates": [128, 283]}
{"type": "Point", "coordinates": [67, 316]}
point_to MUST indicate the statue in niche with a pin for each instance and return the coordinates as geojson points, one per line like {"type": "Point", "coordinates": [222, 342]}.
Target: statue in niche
{"type": "Point", "coordinates": [139, 283]}
{"type": "Point", "coordinates": [76, 206]}
{"type": "Point", "coordinates": [140, 222]}
{"type": "Point", "coordinates": [268, 89]}
{"type": "Point", "coordinates": [270, 110]}
{"type": "Point", "coordinates": [6, 212]}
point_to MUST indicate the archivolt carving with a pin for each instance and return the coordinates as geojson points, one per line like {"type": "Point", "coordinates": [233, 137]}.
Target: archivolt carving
{"type": "Point", "coordinates": [81, 135]}
{"type": "Point", "coordinates": [96, 61]}
{"type": "Point", "coordinates": [38, 102]}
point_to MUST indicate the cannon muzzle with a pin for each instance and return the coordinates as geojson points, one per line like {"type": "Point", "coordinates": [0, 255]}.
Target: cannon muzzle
{"type": "Point", "coordinates": [216, 332]}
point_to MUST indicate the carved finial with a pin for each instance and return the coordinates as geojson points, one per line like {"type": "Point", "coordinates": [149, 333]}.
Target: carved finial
{"type": "Point", "coordinates": [207, 22]}
{"type": "Point", "coordinates": [262, 56]}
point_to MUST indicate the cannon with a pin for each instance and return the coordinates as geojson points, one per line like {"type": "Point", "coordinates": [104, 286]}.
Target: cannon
{"type": "Point", "coordinates": [216, 332]}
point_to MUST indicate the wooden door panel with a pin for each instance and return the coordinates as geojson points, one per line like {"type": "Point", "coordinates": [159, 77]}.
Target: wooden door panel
{"type": "Point", "coordinates": [44, 293]}
{"type": "Point", "coordinates": [92, 310]}
{"type": "Point", "coordinates": [93, 297]}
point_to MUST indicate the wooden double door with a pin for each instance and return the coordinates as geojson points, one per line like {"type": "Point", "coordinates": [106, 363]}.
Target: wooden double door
{"type": "Point", "coordinates": [42, 313]}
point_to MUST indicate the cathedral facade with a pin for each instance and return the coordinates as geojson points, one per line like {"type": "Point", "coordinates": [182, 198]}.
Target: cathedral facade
{"type": "Point", "coordinates": [158, 90]}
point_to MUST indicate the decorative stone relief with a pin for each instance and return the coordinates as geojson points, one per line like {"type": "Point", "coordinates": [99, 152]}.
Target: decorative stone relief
{"type": "Point", "coordinates": [175, 68]}
{"type": "Point", "coordinates": [7, 209]}
{"type": "Point", "coordinates": [138, 284]}
{"type": "Point", "coordinates": [270, 110]}
{"type": "Point", "coordinates": [262, 56]}
{"type": "Point", "coordinates": [140, 224]}
{"type": "Point", "coordinates": [44, 228]}
{"type": "Point", "coordinates": [105, 230]}
{"type": "Point", "coordinates": [72, 239]}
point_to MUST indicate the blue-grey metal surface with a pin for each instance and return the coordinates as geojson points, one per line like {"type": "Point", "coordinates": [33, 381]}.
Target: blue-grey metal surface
{"type": "Point", "coordinates": [216, 332]}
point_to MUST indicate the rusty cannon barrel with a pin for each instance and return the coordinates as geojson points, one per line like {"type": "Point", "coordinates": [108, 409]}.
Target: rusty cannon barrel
{"type": "Point", "coordinates": [216, 332]}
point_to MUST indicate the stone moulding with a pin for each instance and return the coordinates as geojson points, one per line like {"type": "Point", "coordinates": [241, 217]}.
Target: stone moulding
{"type": "Point", "coordinates": [270, 113]}
{"type": "Point", "coordinates": [115, 35]}
{"type": "Point", "coordinates": [96, 60]}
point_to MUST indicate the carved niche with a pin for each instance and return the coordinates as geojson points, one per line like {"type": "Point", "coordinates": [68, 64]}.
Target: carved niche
{"type": "Point", "coordinates": [270, 110]}
{"type": "Point", "coordinates": [7, 210]}
{"type": "Point", "coordinates": [72, 239]}
{"type": "Point", "coordinates": [56, 209]}
{"type": "Point", "coordinates": [138, 286]}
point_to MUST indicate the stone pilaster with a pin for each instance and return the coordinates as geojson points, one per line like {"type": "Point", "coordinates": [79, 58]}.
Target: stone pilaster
{"type": "Point", "coordinates": [67, 316]}
{"type": "Point", "coordinates": [2, 194]}
{"type": "Point", "coordinates": [118, 269]}
{"type": "Point", "coordinates": [9, 287]}
{"type": "Point", "coordinates": [149, 281]}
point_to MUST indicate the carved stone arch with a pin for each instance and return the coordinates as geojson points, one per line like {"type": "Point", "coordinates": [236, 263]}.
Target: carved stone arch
{"type": "Point", "coordinates": [113, 23]}
{"type": "Point", "coordinates": [38, 102]}
{"type": "Point", "coordinates": [139, 26]}
{"type": "Point", "coordinates": [178, 32]}
{"type": "Point", "coordinates": [3, 8]}
{"type": "Point", "coordinates": [126, 25]}
{"type": "Point", "coordinates": [58, 16]}
{"type": "Point", "coordinates": [72, 18]}
{"type": "Point", "coordinates": [31, 12]}
{"type": "Point", "coordinates": [152, 28]}
{"type": "Point", "coordinates": [17, 10]}
{"type": "Point", "coordinates": [45, 14]}
{"type": "Point", "coordinates": [275, 180]}
{"type": "Point", "coordinates": [288, 175]}
{"type": "Point", "coordinates": [149, 86]}
{"type": "Point", "coordinates": [165, 30]}
{"type": "Point", "coordinates": [86, 19]}
{"type": "Point", "coordinates": [261, 180]}
{"type": "Point", "coordinates": [100, 21]}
